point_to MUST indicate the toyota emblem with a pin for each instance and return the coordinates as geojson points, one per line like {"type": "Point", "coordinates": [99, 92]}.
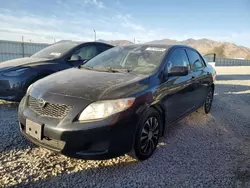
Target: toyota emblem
{"type": "Point", "coordinates": [41, 103]}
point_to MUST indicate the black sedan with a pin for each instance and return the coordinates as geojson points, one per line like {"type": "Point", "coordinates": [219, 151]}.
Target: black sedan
{"type": "Point", "coordinates": [121, 101]}
{"type": "Point", "coordinates": [18, 74]}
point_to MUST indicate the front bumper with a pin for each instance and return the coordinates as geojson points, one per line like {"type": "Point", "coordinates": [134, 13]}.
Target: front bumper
{"type": "Point", "coordinates": [104, 139]}
{"type": "Point", "coordinates": [12, 88]}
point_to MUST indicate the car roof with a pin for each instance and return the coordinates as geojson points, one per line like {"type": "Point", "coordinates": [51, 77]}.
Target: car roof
{"type": "Point", "coordinates": [77, 43]}
{"type": "Point", "coordinates": [161, 45]}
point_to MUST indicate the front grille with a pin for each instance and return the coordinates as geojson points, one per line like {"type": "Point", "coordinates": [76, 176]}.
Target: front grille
{"type": "Point", "coordinates": [58, 111]}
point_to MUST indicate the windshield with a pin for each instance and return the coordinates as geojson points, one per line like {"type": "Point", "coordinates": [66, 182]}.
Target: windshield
{"type": "Point", "coordinates": [139, 59]}
{"type": "Point", "coordinates": [55, 50]}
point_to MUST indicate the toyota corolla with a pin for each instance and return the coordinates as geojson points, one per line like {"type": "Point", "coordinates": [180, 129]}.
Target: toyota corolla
{"type": "Point", "coordinates": [121, 101]}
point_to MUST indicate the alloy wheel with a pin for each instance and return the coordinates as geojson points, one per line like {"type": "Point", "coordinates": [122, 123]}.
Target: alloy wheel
{"type": "Point", "coordinates": [149, 136]}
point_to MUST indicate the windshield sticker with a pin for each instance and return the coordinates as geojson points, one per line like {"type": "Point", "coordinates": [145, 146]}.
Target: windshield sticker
{"type": "Point", "coordinates": [55, 54]}
{"type": "Point", "coordinates": [156, 49]}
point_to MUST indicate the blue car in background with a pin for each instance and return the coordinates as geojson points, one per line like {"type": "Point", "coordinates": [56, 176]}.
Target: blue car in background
{"type": "Point", "coordinates": [18, 74]}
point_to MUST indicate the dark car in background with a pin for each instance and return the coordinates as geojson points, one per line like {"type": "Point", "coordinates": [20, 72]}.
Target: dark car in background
{"type": "Point", "coordinates": [121, 101]}
{"type": "Point", "coordinates": [18, 74]}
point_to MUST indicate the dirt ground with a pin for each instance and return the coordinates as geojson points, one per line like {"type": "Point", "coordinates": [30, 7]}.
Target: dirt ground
{"type": "Point", "coordinates": [200, 151]}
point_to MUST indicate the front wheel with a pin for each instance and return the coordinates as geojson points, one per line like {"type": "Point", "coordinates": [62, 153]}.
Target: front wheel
{"type": "Point", "coordinates": [147, 135]}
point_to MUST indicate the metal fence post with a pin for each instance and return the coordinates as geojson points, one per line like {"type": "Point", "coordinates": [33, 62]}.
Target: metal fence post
{"type": "Point", "coordinates": [23, 46]}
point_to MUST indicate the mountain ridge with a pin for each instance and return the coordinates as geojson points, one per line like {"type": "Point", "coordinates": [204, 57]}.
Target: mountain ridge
{"type": "Point", "coordinates": [203, 45]}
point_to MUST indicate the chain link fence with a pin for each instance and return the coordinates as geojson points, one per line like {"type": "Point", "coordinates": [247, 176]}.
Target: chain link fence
{"type": "Point", "coordinates": [12, 49]}
{"type": "Point", "coordinates": [232, 62]}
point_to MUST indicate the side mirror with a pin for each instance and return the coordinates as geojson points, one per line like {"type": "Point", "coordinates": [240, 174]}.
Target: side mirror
{"type": "Point", "coordinates": [178, 71]}
{"type": "Point", "coordinates": [75, 58]}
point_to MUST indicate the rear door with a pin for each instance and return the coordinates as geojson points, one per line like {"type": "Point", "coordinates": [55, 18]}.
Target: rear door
{"type": "Point", "coordinates": [199, 75]}
{"type": "Point", "coordinates": [177, 90]}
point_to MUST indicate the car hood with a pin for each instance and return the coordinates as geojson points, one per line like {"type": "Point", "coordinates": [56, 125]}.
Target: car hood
{"type": "Point", "coordinates": [91, 85]}
{"type": "Point", "coordinates": [27, 61]}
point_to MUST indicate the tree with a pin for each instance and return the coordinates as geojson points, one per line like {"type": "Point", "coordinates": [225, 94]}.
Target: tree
{"type": "Point", "coordinates": [219, 51]}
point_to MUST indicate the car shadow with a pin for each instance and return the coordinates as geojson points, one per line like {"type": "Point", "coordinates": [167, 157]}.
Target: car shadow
{"type": "Point", "coordinates": [77, 179]}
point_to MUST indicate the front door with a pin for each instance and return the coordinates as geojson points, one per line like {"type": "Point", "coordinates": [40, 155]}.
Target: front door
{"type": "Point", "coordinates": [177, 90]}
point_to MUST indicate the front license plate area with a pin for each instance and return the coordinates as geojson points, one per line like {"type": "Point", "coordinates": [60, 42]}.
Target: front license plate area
{"type": "Point", "coordinates": [34, 129]}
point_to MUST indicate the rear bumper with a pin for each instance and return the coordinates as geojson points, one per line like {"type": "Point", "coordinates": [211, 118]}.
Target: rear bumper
{"type": "Point", "coordinates": [104, 139]}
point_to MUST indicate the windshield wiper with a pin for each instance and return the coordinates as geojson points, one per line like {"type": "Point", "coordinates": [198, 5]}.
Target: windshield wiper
{"type": "Point", "coordinates": [85, 67]}
{"type": "Point", "coordinates": [106, 69]}
{"type": "Point", "coordinates": [111, 69]}
{"type": "Point", "coordinates": [121, 70]}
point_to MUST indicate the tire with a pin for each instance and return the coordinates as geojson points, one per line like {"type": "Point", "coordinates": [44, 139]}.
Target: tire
{"type": "Point", "coordinates": [206, 108]}
{"type": "Point", "coordinates": [147, 135]}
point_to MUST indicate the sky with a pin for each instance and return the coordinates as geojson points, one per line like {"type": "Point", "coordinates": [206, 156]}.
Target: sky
{"type": "Point", "coordinates": [140, 20]}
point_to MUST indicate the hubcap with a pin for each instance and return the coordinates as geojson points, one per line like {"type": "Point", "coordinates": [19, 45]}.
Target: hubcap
{"type": "Point", "coordinates": [150, 135]}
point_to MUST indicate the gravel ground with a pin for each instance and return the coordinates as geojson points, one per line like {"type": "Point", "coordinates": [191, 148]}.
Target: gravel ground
{"type": "Point", "coordinates": [200, 151]}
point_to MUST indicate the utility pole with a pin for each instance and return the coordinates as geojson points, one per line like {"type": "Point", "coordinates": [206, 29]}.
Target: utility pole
{"type": "Point", "coordinates": [23, 46]}
{"type": "Point", "coordinates": [134, 40]}
{"type": "Point", "coordinates": [94, 34]}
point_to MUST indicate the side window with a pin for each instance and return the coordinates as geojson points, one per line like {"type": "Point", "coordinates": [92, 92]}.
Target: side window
{"type": "Point", "coordinates": [87, 52]}
{"type": "Point", "coordinates": [203, 62]}
{"type": "Point", "coordinates": [195, 60]}
{"type": "Point", "coordinates": [177, 58]}
{"type": "Point", "coordinates": [102, 48]}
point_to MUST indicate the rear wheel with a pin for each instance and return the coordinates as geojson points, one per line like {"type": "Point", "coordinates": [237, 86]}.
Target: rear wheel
{"type": "Point", "coordinates": [147, 135]}
{"type": "Point", "coordinates": [206, 108]}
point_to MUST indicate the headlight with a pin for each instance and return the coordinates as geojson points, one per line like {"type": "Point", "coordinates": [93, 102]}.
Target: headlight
{"type": "Point", "coordinates": [16, 72]}
{"type": "Point", "coordinates": [103, 109]}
